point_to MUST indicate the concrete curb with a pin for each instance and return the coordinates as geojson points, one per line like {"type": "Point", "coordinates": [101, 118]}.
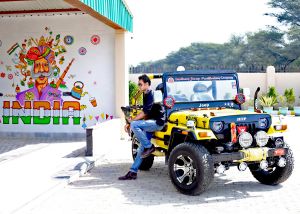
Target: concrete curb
{"type": "Point", "coordinates": [73, 171]}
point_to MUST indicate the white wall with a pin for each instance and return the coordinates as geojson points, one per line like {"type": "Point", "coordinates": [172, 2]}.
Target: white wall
{"type": "Point", "coordinates": [252, 81]}
{"type": "Point", "coordinates": [95, 69]}
{"type": "Point", "coordinates": [288, 80]}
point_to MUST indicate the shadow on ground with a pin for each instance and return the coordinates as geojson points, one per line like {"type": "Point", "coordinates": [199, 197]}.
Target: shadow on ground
{"type": "Point", "coordinates": [156, 187]}
{"type": "Point", "coordinates": [16, 141]}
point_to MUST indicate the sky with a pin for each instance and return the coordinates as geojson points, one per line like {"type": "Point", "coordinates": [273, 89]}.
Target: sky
{"type": "Point", "coordinates": [163, 26]}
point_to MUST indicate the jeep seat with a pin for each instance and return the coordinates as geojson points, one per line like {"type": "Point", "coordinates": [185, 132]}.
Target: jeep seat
{"type": "Point", "coordinates": [200, 93]}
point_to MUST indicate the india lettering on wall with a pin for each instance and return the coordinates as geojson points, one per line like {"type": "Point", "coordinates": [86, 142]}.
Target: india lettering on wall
{"type": "Point", "coordinates": [38, 79]}
{"type": "Point", "coordinates": [46, 82]}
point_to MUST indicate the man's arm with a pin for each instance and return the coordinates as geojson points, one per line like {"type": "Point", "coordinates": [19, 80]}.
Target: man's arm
{"type": "Point", "coordinates": [140, 116]}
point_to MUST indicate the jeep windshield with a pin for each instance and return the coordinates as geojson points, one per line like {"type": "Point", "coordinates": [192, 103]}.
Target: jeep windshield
{"type": "Point", "coordinates": [187, 89]}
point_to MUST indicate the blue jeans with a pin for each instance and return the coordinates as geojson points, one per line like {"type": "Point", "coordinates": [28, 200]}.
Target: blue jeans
{"type": "Point", "coordinates": [143, 129]}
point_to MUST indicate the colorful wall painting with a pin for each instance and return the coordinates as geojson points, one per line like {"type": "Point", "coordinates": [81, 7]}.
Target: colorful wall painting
{"type": "Point", "coordinates": [47, 82]}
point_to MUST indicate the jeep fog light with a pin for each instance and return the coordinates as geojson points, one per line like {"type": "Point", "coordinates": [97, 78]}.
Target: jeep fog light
{"type": "Point", "coordinates": [190, 124]}
{"type": "Point", "coordinates": [220, 169]}
{"type": "Point", "coordinates": [263, 164]}
{"type": "Point", "coordinates": [281, 162]}
{"type": "Point", "coordinates": [245, 139]}
{"type": "Point", "coordinates": [261, 138]}
{"type": "Point", "coordinates": [242, 166]}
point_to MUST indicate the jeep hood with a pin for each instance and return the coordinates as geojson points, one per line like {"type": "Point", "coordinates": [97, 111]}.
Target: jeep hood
{"type": "Point", "coordinates": [204, 117]}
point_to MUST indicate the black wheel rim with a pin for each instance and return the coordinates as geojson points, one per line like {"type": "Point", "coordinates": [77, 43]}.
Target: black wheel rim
{"type": "Point", "coordinates": [135, 146]}
{"type": "Point", "coordinates": [184, 170]}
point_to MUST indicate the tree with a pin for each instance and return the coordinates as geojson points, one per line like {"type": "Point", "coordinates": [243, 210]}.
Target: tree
{"type": "Point", "coordinates": [289, 11]}
{"type": "Point", "coordinates": [251, 52]}
{"type": "Point", "coordinates": [234, 51]}
{"type": "Point", "coordinates": [289, 14]}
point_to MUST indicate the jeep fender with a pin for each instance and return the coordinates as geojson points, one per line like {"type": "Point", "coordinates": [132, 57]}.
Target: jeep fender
{"type": "Point", "coordinates": [178, 136]}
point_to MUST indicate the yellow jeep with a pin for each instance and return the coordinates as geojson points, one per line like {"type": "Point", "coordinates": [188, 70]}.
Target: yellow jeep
{"type": "Point", "coordinates": [206, 132]}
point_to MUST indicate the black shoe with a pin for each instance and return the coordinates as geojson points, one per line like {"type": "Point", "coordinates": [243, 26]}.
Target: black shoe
{"type": "Point", "coordinates": [147, 151]}
{"type": "Point", "coordinates": [129, 176]}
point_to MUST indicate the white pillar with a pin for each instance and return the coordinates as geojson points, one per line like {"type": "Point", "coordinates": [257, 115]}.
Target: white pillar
{"type": "Point", "coordinates": [121, 73]}
{"type": "Point", "coordinates": [270, 76]}
{"type": "Point", "coordinates": [121, 78]}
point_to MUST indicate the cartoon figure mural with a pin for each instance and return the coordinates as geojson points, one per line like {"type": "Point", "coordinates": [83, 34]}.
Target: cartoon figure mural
{"type": "Point", "coordinates": [43, 60]}
{"type": "Point", "coordinates": [35, 105]}
{"type": "Point", "coordinates": [41, 92]}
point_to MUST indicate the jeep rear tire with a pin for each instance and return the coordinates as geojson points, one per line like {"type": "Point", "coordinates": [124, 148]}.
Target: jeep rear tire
{"type": "Point", "coordinates": [276, 174]}
{"type": "Point", "coordinates": [191, 168]}
{"type": "Point", "coordinates": [147, 162]}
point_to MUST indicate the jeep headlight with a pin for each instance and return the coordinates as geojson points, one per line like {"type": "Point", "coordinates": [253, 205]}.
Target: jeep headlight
{"type": "Point", "coordinates": [217, 126]}
{"type": "Point", "coordinates": [190, 124]}
{"type": "Point", "coordinates": [261, 138]}
{"type": "Point", "coordinates": [263, 123]}
{"type": "Point", "coordinates": [245, 139]}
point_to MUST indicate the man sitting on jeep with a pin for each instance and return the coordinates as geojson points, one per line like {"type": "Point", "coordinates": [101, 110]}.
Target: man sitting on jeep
{"type": "Point", "coordinates": [150, 119]}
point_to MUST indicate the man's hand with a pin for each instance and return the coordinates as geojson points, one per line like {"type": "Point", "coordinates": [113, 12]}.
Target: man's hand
{"type": "Point", "coordinates": [129, 120]}
{"type": "Point", "coordinates": [127, 128]}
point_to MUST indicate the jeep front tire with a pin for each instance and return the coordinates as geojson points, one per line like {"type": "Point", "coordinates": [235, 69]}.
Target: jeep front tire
{"type": "Point", "coordinates": [191, 168]}
{"type": "Point", "coordinates": [274, 175]}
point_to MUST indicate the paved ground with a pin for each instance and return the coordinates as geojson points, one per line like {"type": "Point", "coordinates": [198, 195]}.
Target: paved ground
{"type": "Point", "coordinates": [13, 141]}
{"type": "Point", "coordinates": [34, 167]}
{"type": "Point", "coordinates": [100, 192]}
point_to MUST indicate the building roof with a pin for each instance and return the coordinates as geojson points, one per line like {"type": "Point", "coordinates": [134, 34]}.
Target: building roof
{"type": "Point", "coordinates": [114, 13]}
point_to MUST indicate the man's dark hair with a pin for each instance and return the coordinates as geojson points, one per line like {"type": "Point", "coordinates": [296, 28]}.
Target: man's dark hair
{"type": "Point", "coordinates": [145, 79]}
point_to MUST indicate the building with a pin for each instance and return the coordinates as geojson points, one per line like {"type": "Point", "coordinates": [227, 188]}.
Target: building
{"type": "Point", "coordinates": [62, 64]}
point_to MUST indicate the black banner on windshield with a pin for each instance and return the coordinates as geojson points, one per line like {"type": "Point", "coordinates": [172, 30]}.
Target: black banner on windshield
{"type": "Point", "coordinates": [199, 78]}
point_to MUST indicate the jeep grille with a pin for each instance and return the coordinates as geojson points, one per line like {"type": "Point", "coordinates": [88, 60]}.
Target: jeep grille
{"type": "Point", "coordinates": [250, 127]}
{"type": "Point", "coordinates": [226, 135]}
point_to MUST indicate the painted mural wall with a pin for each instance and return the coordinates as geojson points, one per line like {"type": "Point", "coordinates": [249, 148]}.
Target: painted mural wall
{"type": "Point", "coordinates": [56, 73]}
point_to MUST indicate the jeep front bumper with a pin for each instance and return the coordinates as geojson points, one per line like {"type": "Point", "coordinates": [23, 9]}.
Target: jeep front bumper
{"type": "Point", "coordinates": [250, 155]}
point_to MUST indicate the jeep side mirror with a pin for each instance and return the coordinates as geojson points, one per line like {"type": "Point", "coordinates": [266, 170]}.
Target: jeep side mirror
{"type": "Point", "coordinates": [240, 98]}
{"type": "Point", "coordinates": [169, 102]}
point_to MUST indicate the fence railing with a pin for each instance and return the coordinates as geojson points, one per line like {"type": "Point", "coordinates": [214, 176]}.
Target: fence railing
{"type": "Point", "coordinates": [244, 69]}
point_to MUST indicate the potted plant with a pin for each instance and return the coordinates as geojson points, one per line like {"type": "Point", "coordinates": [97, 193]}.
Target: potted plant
{"type": "Point", "coordinates": [267, 103]}
{"type": "Point", "coordinates": [297, 108]}
{"type": "Point", "coordinates": [290, 97]}
{"type": "Point", "coordinates": [272, 92]}
{"type": "Point", "coordinates": [283, 108]}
